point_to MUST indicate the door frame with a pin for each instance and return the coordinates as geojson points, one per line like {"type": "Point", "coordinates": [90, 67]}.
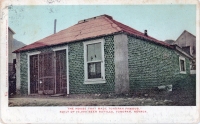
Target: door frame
{"type": "Point", "coordinates": [67, 66]}
{"type": "Point", "coordinates": [28, 62]}
{"type": "Point", "coordinates": [54, 50]}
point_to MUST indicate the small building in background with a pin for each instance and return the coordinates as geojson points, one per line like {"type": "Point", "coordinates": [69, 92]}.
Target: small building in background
{"type": "Point", "coordinates": [171, 42]}
{"type": "Point", "coordinates": [11, 63]}
{"type": "Point", "coordinates": [10, 46]}
{"type": "Point", "coordinates": [187, 42]}
{"type": "Point", "coordinates": [13, 44]}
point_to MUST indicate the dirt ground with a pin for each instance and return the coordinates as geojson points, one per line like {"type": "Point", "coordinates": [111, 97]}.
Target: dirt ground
{"type": "Point", "coordinates": [86, 102]}
{"type": "Point", "coordinates": [173, 98]}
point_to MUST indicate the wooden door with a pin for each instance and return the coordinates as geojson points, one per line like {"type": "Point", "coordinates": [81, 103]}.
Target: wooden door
{"type": "Point", "coordinates": [33, 74]}
{"type": "Point", "coordinates": [61, 78]}
{"type": "Point", "coordinates": [46, 73]}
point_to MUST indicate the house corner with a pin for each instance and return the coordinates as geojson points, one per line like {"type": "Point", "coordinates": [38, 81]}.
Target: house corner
{"type": "Point", "coordinates": [121, 64]}
{"type": "Point", "coordinates": [18, 82]}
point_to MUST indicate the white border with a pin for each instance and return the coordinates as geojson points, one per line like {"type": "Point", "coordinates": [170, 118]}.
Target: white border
{"type": "Point", "coordinates": [156, 114]}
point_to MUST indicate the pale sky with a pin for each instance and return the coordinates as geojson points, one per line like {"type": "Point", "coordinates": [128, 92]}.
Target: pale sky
{"type": "Point", "coordinates": [32, 23]}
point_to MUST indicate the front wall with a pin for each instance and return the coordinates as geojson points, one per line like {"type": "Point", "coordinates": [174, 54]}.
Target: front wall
{"type": "Point", "coordinates": [153, 65]}
{"type": "Point", "coordinates": [24, 67]}
{"type": "Point", "coordinates": [76, 69]}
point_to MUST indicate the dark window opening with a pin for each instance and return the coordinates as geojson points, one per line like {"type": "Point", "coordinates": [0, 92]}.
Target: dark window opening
{"type": "Point", "coordinates": [182, 65]}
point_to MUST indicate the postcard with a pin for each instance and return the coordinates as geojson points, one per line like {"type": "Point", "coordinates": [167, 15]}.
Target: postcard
{"type": "Point", "coordinates": [99, 61]}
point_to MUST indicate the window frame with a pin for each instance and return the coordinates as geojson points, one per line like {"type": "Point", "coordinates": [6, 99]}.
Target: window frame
{"type": "Point", "coordinates": [182, 58]}
{"type": "Point", "coordinates": [97, 80]}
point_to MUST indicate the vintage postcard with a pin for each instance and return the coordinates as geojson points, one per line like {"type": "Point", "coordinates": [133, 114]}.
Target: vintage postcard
{"type": "Point", "coordinates": [99, 62]}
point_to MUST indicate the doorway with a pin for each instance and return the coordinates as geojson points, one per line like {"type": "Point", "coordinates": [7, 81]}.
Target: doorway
{"type": "Point", "coordinates": [34, 74]}
{"type": "Point", "coordinates": [61, 78]}
{"type": "Point", "coordinates": [48, 73]}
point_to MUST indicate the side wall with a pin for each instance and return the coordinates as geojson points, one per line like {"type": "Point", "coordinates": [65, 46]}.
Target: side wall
{"type": "Point", "coordinates": [152, 65]}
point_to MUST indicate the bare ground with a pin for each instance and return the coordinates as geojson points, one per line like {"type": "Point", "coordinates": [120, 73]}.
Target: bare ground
{"type": "Point", "coordinates": [174, 98]}
{"type": "Point", "coordinates": [86, 102]}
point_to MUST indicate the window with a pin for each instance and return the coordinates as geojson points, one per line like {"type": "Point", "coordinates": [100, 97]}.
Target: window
{"type": "Point", "coordinates": [182, 65]}
{"type": "Point", "coordinates": [94, 61]}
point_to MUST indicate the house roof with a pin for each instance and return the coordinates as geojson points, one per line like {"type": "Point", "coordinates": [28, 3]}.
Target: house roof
{"type": "Point", "coordinates": [89, 28]}
{"type": "Point", "coordinates": [185, 31]}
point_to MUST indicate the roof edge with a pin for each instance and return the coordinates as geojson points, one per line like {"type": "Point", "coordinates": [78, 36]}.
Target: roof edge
{"type": "Point", "coordinates": [92, 18]}
{"type": "Point", "coordinates": [152, 41]}
{"type": "Point", "coordinates": [178, 49]}
{"type": "Point", "coordinates": [119, 32]}
{"type": "Point", "coordinates": [18, 50]}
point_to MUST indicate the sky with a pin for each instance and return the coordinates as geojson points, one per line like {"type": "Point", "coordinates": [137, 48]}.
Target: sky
{"type": "Point", "coordinates": [32, 23]}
